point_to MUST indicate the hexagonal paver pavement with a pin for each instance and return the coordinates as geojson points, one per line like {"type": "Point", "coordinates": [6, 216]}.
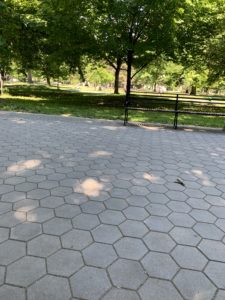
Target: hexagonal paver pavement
{"type": "Point", "coordinates": [92, 210]}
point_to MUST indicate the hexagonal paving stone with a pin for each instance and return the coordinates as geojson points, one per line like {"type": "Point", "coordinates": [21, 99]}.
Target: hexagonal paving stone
{"type": "Point", "coordinates": [5, 207]}
{"type": "Point", "coordinates": [76, 239]}
{"type": "Point", "coordinates": [98, 283]}
{"type": "Point", "coordinates": [139, 190]}
{"type": "Point", "coordinates": [92, 207]}
{"type": "Point", "coordinates": [38, 194]}
{"type": "Point", "coordinates": [11, 251]}
{"type": "Point", "coordinates": [127, 274]}
{"type": "Point", "coordinates": [25, 187]}
{"type": "Point", "coordinates": [198, 203]}
{"type": "Point", "coordinates": [194, 285]}
{"type": "Point", "coordinates": [120, 294]}
{"type": "Point", "coordinates": [176, 195]}
{"type": "Point", "coordinates": [209, 190]}
{"type": "Point", "coordinates": [178, 206]}
{"type": "Point", "coordinates": [216, 272]}
{"type": "Point", "coordinates": [220, 295]}
{"type": "Point", "coordinates": [119, 193]}
{"type": "Point", "coordinates": [158, 198]}
{"type": "Point", "coordinates": [13, 197]}
{"type": "Point", "coordinates": [214, 250]}
{"type": "Point", "coordinates": [130, 248]}
{"type": "Point", "coordinates": [76, 198]}
{"type": "Point", "coordinates": [25, 271]}
{"type": "Point", "coordinates": [156, 223]}
{"type": "Point", "coordinates": [106, 234]}
{"type": "Point", "coordinates": [64, 262]}
{"type": "Point", "coordinates": [52, 201]}
{"type": "Point", "coordinates": [25, 231]}
{"type": "Point", "coordinates": [2, 275]}
{"type": "Point", "coordinates": [57, 226]}
{"type": "Point", "coordinates": [158, 289]}
{"type": "Point", "coordinates": [214, 200]}
{"type": "Point", "coordinates": [189, 258]}
{"type": "Point", "coordinates": [158, 241]}
{"type": "Point", "coordinates": [36, 178]}
{"type": "Point", "coordinates": [61, 191]}
{"type": "Point", "coordinates": [181, 219]}
{"type": "Point", "coordinates": [43, 245]}
{"type": "Point", "coordinates": [185, 236]}
{"type": "Point", "coordinates": [159, 265]}
{"type": "Point", "coordinates": [4, 234]}
{"type": "Point", "coordinates": [158, 210]}
{"type": "Point", "coordinates": [116, 204]}
{"type": "Point", "coordinates": [99, 255]}
{"type": "Point", "coordinates": [5, 189]}
{"type": "Point", "coordinates": [194, 193]}
{"type": "Point", "coordinates": [221, 224]}
{"type": "Point", "coordinates": [133, 228]}
{"type": "Point", "coordinates": [135, 213]}
{"type": "Point", "coordinates": [139, 201]}
{"type": "Point", "coordinates": [85, 221]}
{"type": "Point", "coordinates": [157, 188]}
{"type": "Point", "coordinates": [111, 217]}
{"type": "Point", "coordinates": [67, 211]}
{"type": "Point", "coordinates": [218, 211]}
{"type": "Point", "coordinates": [40, 215]}
{"type": "Point", "coordinates": [209, 231]}
{"type": "Point", "coordinates": [48, 184]}
{"type": "Point", "coordinates": [12, 218]}
{"type": "Point", "coordinates": [15, 180]}
{"type": "Point", "coordinates": [10, 292]}
{"type": "Point", "coordinates": [25, 205]}
{"type": "Point", "coordinates": [49, 287]}
{"type": "Point", "coordinates": [202, 216]}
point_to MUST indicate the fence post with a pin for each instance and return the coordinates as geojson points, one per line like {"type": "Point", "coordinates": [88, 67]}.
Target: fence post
{"type": "Point", "coordinates": [176, 113]}
{"type": "Point", "coordinates": [126, 104]}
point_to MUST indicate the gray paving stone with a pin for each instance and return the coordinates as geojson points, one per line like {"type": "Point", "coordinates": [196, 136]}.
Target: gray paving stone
{"type": "Point", "coordinates": [57, 226]}
{"type": "Point", "coordinates": [202, 216]}
{"type": "Point", "coordinates": [40, 214]}
{"type": "Point", "coordinates": [158, 198]}
{"type": "Point", "coordinates": [76, 198]}
{"type": "Point", "coordinates": [193, 284]}
{"type": "Point", "coordinates": [25, 231]}
{"type": "Point", "coordinates": [64, 262]}
{"type": "Point", "coordinates": [13, 197]}
{"type": "Point", "coordinates": [25, 187]}
{"type": "Point", "coordinates": [99, 255]}
{"type": "Point", "coordinates": [67, 211]}
{"type": "Point", "coordinates": [15, 180]}
{"type": "Point", "coordinates": [209, 231]}
{"type": "Point", "coordinates": [139, 201]}
{"type": "Point", "coordinates": [181, 219]}
{"type": "Point", "coordinates": [108, 234]}
{"type": "Point", "coordinates": [8, 292]}
{"type": "Point", "coordinates": [43, 245]}
{"type": "Point", "coordinates": [4, 234]}
{"type": "Point", "coordinates": [198, 203]}
{"type": "Point", "coordinates": [185, 236]}
{"type": "Point", "coordinates": [11, 251]}
{"type": "Point", "coordinates": [218, 211]}
{"type": "Point", "coordinates": [220, 295]}
{"type": "Point", "coordinates": [36, 178]}
{"type": "Point", "coordinates": [85, 221]}
{"type": "Point", "coordinates": [98, 283]}
{"type": "Point", "coordinates": [177, 195]}
{"type": "Point", "coordinates": [4, 188]}
{"type": "Point", "coordinates": [121, 294]}
{"type": "Point", "coordinates": [159, 265]}
{"type": "Point", "coordinates": [52, 201]}
{"type": "Point", "coordinates": [135, 213]}
{"type": "Point", "coordinates": [61, 191]}
{"type": "Point", "coordinates": [25, 205]}
{"type": "Point", "coordinates": [216, 272]}
{"type": "Point", "coordinates": [158, 241]}
{"type": "Point", "coordinates": [189, 258]}
{"type": "Point", "coordinates": [180, 207]}
{"type": "Point", "coordinates": [49, 287]}
{"type": "Point", "coordinates": [158, 210]}
{"type": "Point", "coordinates": [214, 250]}
{"type": "Point", "coordinates": [38, 194]}
{"type": "Point", "coordinates": [156, 223]}
{"type": "Point", "coordinates": [215, 200]}
{"type": "Point", "coordinates": [116, 204]}
{"type": "Point", "coordinates": [158, 289]}
{"type": "Point", "coordinates": [133, 228]}
{"type": "Point", "coordinates": [12, 218]}
{"type": "Point", "coordinates": [127, 274]}
{"type": "Point", "coordinates": [76, 239]}
{"type": "Point", "coordinates": [119, 193]}
{"type": "Point", "coordinates": [48, 184]}
{"type": "Point", "coordinates": [92, 207]}
{"type": "Point", "coordinates": [111, 217]}
{"type": "Point", "coordinates": [2, 275]}
{"type": "Point", "coordinates": [5, 207]}
{"type": "Point", "coordinates": [130, 248]}
{"type": "Point", "coordinates": [25, 271]}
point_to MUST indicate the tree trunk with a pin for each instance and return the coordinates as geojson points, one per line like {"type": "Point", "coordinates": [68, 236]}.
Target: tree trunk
{"type": "Point", "coordinates": [1, 84]}
{"type": "Point", "coordinates": [29, 77]}
{"type": "Point", "coordinates": [48, 80]}
{"type": "Point", "coordinates": [117, 75]}
{"type": "Point", "coordinates": [81, 73]}
{"type": "Point", "coordinates": [129, 70]}
{"type": "Point", "coordinates": [193, 90]}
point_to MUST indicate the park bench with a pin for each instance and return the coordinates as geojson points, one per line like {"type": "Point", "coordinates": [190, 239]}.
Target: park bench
{"type": "Point", "coordinates": [174, 101]}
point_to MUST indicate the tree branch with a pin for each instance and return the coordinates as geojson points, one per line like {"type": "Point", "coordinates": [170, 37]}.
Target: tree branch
{"type": "Point", "coordinates": [139, 70]}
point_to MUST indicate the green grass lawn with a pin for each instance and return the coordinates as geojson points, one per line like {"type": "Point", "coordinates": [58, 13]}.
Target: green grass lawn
{"type": "Point", "coordinates": [41, 99]}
